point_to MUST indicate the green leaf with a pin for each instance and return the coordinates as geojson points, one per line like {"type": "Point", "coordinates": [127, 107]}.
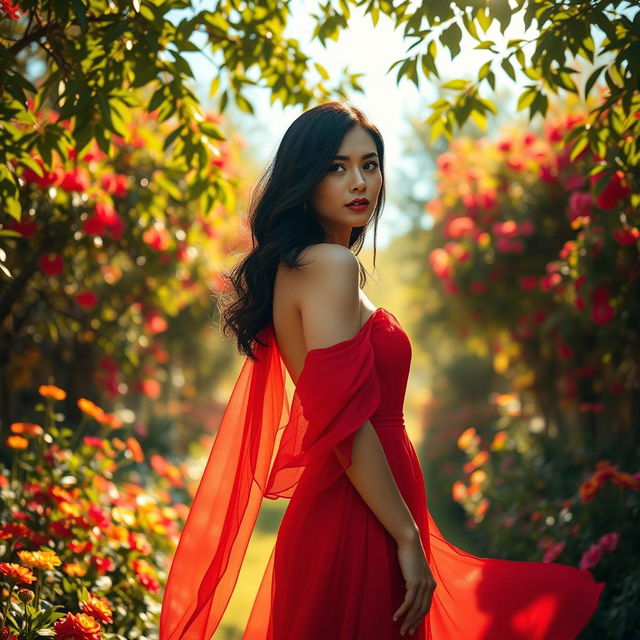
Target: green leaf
{"type": "Point", "coordinates": [212, 130]}
{"type": "Point", "coordinates": [508, 68]}
{"type": "Point", "coordinates": [451, 37]}
{"type": "Point", "coordinates": [579, 146]}
{"type": "Point", "coordinates": [526, 98]}
{"type": "Point", "coordinates": [456, 85]}
{"type": "Point", "coordinates": [80, 10]}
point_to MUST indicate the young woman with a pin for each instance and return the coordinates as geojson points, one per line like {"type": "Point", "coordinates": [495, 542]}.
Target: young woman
{"type": "Point", "coordinates": [358, 555]}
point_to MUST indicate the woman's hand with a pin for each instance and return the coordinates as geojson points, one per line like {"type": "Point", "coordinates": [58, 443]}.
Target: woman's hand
{"type": "Point", "coordinates": [419, 581]}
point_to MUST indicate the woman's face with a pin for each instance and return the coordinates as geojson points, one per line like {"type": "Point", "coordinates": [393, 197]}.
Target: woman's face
{"type": "Point", "coordinates": [354, 174]}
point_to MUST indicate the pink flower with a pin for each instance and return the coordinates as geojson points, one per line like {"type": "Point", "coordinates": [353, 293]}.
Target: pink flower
{"type": "Point", "coordinates": [553, 552]}
{"type": "Point", "coordinates": [591, 557]}
{"type": "Point", "coordinates": [580, 205]}
{"type": "Point", "coordinates": [609, 541]}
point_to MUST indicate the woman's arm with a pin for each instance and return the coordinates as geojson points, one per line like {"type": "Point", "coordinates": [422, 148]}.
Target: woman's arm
{"type": "Point", "coordinates": [330, 308]}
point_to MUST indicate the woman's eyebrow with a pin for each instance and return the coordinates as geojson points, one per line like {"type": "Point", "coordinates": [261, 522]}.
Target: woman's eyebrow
{"type": "Point", "coordinates": [366, 155]}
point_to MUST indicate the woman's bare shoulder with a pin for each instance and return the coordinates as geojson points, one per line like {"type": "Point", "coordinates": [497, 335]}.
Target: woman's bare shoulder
{"type": "Point", "coordinates": [327, 258]}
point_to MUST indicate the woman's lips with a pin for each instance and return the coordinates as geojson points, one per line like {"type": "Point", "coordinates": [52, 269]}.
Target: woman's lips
{"type": "Point", "coordinates": [358, 207]}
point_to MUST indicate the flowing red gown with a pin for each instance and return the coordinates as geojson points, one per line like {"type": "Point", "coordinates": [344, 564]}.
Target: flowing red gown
{"type": "Point", "coordinates": [334, 573]}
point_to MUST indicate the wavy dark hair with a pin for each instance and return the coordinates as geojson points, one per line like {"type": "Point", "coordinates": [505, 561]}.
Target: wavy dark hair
{"type": "Point", "coordinates": [281, 218]}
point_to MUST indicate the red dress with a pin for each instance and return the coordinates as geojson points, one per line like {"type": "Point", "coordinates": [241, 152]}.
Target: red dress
{"type": "Point", "coordinates": [334, 572]}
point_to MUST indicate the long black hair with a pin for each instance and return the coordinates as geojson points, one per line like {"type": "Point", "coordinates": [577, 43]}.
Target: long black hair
{"type": "Point", "coordinates": [282, 220]}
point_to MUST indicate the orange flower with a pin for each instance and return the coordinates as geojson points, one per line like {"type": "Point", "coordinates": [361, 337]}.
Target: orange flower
{"type": "Point", "coordinates": [589, 488]}
{"type": "Point", "coordinates": [499, 441]}
{"type": "Point", "coordinates": [111, 420]}
{"type": "Point", "coordinates": [136, 450]}
{"type": "Point", "coordinates": [26, 429]}
{"type": "Point", "coordinates": [98, 608]}
{"type": "Point", "coordinates": [17, 442]}
{"type": "Point", "coordinates": [91, 409]}
{"type": "Point", "coordinates": [74, 569]}
{"type": "Point", "coordinates": [46, 559]}
{"type": "Point", "coordinates": [473, 488]}
{"type": "Point", "coordinates": [604, 473]}
{"type": "Point", "coordinates": [482, 507]}
{"type": "Point", "coordinates": [467, 438]}
{"type": "Point", "coordinates": [625, 480]}
{"type": "Point", "coordinates": [51, 391]}
{"type": "Point", "coordinates": [459, 491]}
{"type": "Point", "coordinates": [14, 572]}
{"type": "Point", "coordinates": [77, 627]}
{"type": "Point", "coordinates": [477, 461]}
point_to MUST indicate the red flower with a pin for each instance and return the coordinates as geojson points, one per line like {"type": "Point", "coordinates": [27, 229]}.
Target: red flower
{"type": "Point", "coordinates": [614, 191]}
{"type": "Point", "coordinates": [87, 299]}
{"type": "Point", "coordinates": [527, 283]}
{"type": "Point", "coordinates": [11, 9]}
{"type": "Point", "coordinates": [626, 236]}
{"type": "Point", "coordinates": [93, 226]}
{"type": "Point", "coordinates": [50, 264]}
{"type": "Point", "coordinates": [156, 237]}
{"type": "Point", "coordinates": [116, 184]}
{"type": "Point", "coordinates": [103, 565]}
{"type": "Point", "coordinates": [26, 227]}
{"type": "Point", "coordinates": [440, 263]}
{"type": "Point", "coordinates": [75, 180]}
{"type": "Point", "coordinates": [77, 627]}
{"type": "Point", "coordinates": [603, 313]}
{"type": "Point", "coordinates": [459, 226]}
{"type": "Point", "coordinates": [477, 286]}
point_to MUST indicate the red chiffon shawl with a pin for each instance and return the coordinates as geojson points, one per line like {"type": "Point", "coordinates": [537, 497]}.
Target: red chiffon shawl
{"type": "Point", "coordinates": [263, 446]}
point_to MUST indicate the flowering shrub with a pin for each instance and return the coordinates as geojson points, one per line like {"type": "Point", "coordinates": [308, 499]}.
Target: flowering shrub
{"type": "Point", "coordinates": [83, 555]}
{"type": "Point", "coordinates": [534, 261]}
{"type": "Point", "coordinates": [112, 268]}
{"type": "Point", "coordinates": [535, 508]}
{"type": "Point", "coordinates": [539, 259]}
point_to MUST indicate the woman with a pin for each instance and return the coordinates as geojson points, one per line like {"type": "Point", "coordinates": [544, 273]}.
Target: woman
{"type": "Point", "coordinates": [358, 555]}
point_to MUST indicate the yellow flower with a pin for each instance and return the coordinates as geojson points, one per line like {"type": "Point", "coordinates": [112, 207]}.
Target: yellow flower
{"type": "Point", "coordinates": [51, 391]}
{"type": "Point", "coordinates": [17, 442]}
{"type": "Point", "coordinates": [46, 559]}
{"type": "Point", "coordinates": [74, 569]}
{"type": "Point", "coordinates": [467, 437]}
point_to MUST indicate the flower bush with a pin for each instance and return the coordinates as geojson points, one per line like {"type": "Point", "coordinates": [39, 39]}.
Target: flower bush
{"type": "Point", "coordinates": [84, 548]}
{"type": "Point", "coordinates": [111, 271]}
{"type": "Point", "coordinates": [523, 504]}
{"type": "Point", "coordinates": [534, 268]}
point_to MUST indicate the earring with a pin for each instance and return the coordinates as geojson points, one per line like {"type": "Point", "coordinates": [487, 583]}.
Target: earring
{"type": "Point", "coordinates": [306, 206]}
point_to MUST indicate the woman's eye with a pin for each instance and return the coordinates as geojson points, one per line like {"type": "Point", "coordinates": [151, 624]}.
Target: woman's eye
{"type": "Point", "coordinates": [331, 168]}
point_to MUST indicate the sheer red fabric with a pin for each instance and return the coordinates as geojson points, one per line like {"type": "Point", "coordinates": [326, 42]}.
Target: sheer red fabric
{"type": "Point", "coordinates": [334, 572]}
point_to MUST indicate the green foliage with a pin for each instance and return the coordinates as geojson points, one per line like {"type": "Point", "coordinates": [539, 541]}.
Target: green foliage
{"type": "Point", "coordinates": [568, 39]}
{"type": "Point", "coordinates": [99, 55]}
